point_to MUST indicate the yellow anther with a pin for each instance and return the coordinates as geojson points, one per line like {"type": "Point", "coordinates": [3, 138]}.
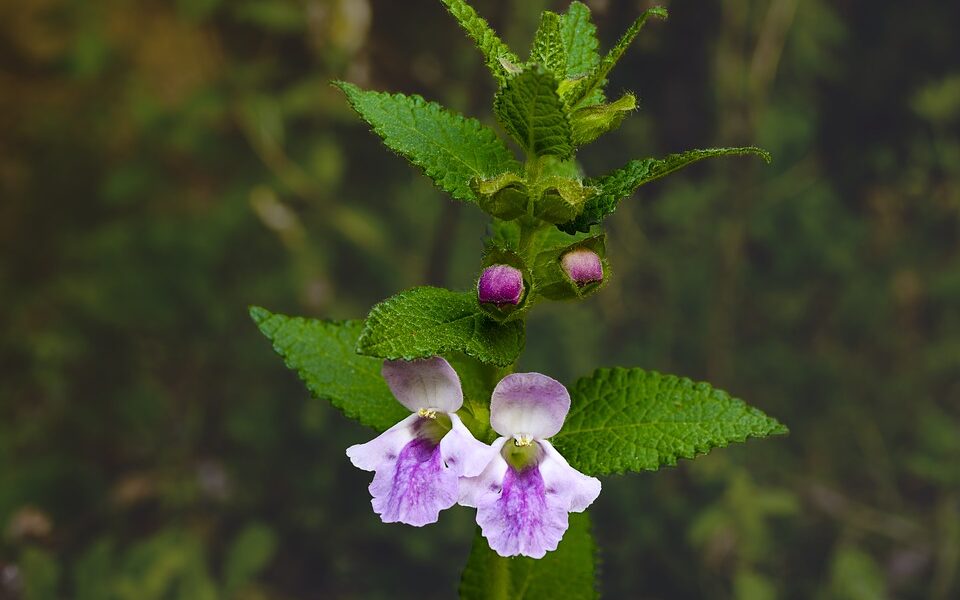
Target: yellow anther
{"type": "Point", "coordinates": [428, 413]}
{"type": "Point", "coordinates": [522, 439]}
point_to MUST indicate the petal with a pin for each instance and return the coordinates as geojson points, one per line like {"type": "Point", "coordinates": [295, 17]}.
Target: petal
{"type": "Point", "coordinates": [425, 383]}
{"type": "Point", "coordinates": [568, 487]}
{"type": "Point", "coordinates": [382, 450]}
{"type": "Point", "coordinates": [416, 487]}
{"type": "Point", "coordinates": [489, 481]}
{"type": "Point", "coordinates": [462, 453]}
{"type": "Point", "coordinates": [529, 403]}
{"type": "Point", "coordinates": [522, 519]}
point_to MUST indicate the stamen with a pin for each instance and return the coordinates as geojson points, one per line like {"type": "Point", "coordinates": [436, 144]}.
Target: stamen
{"type": "Point", "coordinates": [428, 413]}
{"type": "Point", "coordinates": [522, 439]}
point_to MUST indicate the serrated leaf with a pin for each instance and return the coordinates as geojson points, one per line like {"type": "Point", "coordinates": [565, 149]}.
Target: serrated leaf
{"type": "Point", "coordinates": [427, 321]}
{"type": "Point", "coordinates": [323, 353]}
{"type": "Point", "coordinates": [579, 37]}
{"type": "Point", "coordinates": [530, 110]}
{"type": "Point", "coordinates": [494, 51]}
{"type": "Point", "coordinates": [632, 420]}
{"type": "Point", "coordinates": [568, 572]}
{"type": "Point", "coordinates": [451, 149]}
{"type": "Point", "coordinates": [620, 184]}
{"type": "Point", "coordinates": [548, 48]}
{"type": "Point", "coordinates": [597, 76]}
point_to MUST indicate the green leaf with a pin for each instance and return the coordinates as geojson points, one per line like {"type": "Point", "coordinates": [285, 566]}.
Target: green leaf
{"type": "Point", "coordinates": [505, 196]}
{"type": "Point", "coordinates": [631, 419]}
{"type": "Point", "coordinates": [323, 353]}
{"type": "Point", "coordinates": [451, 149]}
{"type": "Point", "coordinates": [597, 76]}
{"type": "Point", "coordinates": [560, 199]}
{"type": "Point", "coordinates": [530, 110]}
{"type": "Point", "coordinates": [616, 186]}
{"type": "Point", "coordinates": [548, 49]}
{"type": "Point", "coordinates": [427, 321]}
{"type": "Point", "coordinates": [579, 37]}
{"type": "Point", "coordinates": [495, 52]}
{"type": "Point", "coordinates": [568, 572]}
{"type": "Point", "coordinates": [587, 124]}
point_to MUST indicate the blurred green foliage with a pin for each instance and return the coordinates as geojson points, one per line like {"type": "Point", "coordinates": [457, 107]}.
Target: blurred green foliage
{"type": "Point", "coordinates": [163, 165]}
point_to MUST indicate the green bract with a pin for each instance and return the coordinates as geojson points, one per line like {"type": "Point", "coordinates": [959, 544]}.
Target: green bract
{"type": "Point", "coordinates": [620, 419]}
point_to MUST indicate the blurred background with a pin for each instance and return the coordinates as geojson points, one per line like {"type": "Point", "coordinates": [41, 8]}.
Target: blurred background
{"type": "Point", "coordinates": [165, 164]}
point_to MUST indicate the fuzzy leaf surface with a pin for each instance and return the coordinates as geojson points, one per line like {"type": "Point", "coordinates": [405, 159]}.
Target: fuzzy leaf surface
{"type": "Point", "coordinates": [427, 321]}
{"type": "Point", "coordinates": [531, 111]}
{"type": "Point", "coordinates": [491, 46]}
{"type": "Point", "coordinates": [548, 48]}
{"type": "Point", "coordinates": [567, 572]}
{"type": "Point", "coordinates": [579, 37]}
{"type": "Point", "coordinates": [323, 354]}
{"type": "Point", "coordinates": [620, 184]}
{"type": "Point", "coordinates": [451, 149]}
{"type": "Point", "coordinates": [633, 420]}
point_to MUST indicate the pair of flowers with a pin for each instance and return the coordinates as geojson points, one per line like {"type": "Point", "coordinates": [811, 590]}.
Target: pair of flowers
{"type": "Point", "coordinates": [522, 488]}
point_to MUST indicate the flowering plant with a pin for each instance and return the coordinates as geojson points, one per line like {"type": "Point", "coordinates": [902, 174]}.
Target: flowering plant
{"type": "Point", "coordinates": [433, 369]}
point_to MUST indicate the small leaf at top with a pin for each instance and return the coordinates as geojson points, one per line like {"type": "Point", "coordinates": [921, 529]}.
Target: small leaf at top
{"type": "Point", "coordinates": [632, 420]}
{"type": "Point", "coordinates": [531, 111]}
{"type": "Point", "coordinates": [494, 51]}
{"type": "Point", "coordinates": [597, 76]}
{"type": "Point", "coordinates": [579, 37]}
{"type": "Point", "coordinates": [587, 124]}
{"type": "Point", "coordinates": [451, 149]}
{"type": "Point", "coordinates": [548, 50]}
{"type": "Point", "coordinates": [620, 184]}
{"type": "Point", "coordinates": [568, 572]}
{"type": "Point", "coordinates": [427, 321]}
{"type": "Point", "coordinates": [323, 353]}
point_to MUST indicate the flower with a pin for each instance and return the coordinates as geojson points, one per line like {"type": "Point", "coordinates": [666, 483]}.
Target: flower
{"type": "Point", "coordinates": [583, 266]}
{"type": "Point", "coordinates": [500, 284]}
{"type": "Point", "coordinates": [524, 495]}
{"type": "Point", "coordinates": [419, 461]}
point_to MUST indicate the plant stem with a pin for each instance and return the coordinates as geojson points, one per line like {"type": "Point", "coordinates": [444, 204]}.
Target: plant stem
{"type": "Point", "coordinates": [499, 578]}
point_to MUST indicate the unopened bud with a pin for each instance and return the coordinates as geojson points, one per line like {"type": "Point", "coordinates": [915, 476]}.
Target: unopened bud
{"type": "Point", "coordinates": [500, 284]}
{"type": "Point", "coordinates": [583, 266]}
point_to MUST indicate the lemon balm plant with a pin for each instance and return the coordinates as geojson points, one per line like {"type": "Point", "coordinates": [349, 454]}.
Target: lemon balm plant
{"type": "Point", "coordinates": [431, 370]}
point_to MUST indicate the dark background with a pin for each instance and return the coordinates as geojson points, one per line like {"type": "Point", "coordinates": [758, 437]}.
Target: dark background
{"type": "Point", "coordinates": [165, 164]}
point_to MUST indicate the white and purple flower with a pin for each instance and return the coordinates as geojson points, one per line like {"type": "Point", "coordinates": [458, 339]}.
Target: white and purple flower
{"type": "Point", "coordinates": [524, 495]}
{"type": "Point", "coordinates": [420, 460]}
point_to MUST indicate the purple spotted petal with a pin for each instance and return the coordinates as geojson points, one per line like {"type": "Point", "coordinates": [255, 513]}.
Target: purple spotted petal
{"type": "Point", "coordinates": [426, 383]}
{"type": "Point", "coordinates": [462, 453]}
{"type": "Point", "coordinates": [568, 487]}
{"type": "Point", "coordinates": [583, 266]}
{"type": "Point", "coordinates": [416, 487]}
{"type": "Point", "coordinates": [529, 403]}
{"type": "Point", "coordinates": [500, 284]}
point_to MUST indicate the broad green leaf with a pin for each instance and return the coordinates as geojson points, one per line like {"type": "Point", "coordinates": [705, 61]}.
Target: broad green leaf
{"type": "Point", "coordinates": [427, 321]}
{"type": "Point", "coordinates": [323, 353]}
{"type": "Point", "coordinates": [597, 76]}
{"type": "Point", "coordinates": [530, 110]}
{"type": "Point", "coordinates": [579, 37]}
{"type": "Point", "coordinates": [451, 149]}
{"type": "Point", "coordinates": [587, 124]}
{"type": "Point", "coordinates": [616, 186]}
{"type": "Point", "coordinates": [548, 49]}
{"type": "Point", "coordinates": [494, 51]}
{"type": "Point", "coordinates": [631, 420]}
{"type": "Point", "coordinates": [568, 572]}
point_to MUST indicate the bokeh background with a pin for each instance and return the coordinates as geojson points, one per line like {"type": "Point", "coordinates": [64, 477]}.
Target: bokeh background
{"type": "Point", "coordinates": [165, 164]}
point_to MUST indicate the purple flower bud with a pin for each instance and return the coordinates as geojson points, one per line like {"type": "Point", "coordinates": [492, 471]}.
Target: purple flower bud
{"type": "Point", "coordinates": [583, 266]}
{"type": "Point", "coordinates": [500, 284]}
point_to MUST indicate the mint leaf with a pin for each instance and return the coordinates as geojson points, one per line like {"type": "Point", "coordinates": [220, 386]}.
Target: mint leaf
{"type": "Point", "coordinates": [548, 48]}
{"type": "Point", "coordinates": [494, 51]}
{"type": "Point", "coordinates": [579, 37]}
{"type": "Point", "coordinates": [427, 321]}
{"type": "Point", "coordinates": [451, 149]}
{"type": "Point", "coordinates": [616, 186]}
{"type": "Point", "coordinates": [597, 76]}
{"type": "Point", "coordinates": [531, 111]}
{"type": "Point", "coordinates": [323, 353]}
{"type": "Point", "coordinates": [567, 572]}
{"type": "Point", "coordinates": [631, 420]}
